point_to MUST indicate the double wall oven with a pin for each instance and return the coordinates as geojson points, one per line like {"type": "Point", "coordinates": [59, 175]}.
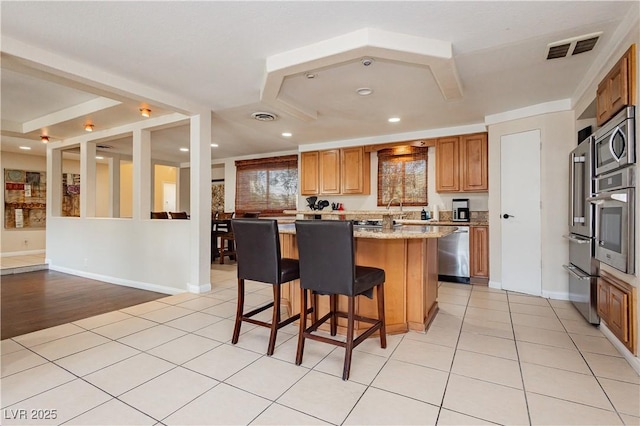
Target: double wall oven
{"type": "Point", "coordinates": [602, 209]}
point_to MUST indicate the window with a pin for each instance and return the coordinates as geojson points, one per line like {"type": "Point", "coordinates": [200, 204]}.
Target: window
{"type": "Point", "coordinates": [266, 185]}
{"type": "Point", "coordinates": [402, 176]}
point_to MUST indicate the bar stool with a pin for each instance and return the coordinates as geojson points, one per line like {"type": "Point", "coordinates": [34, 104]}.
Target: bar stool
{"type": "Point", "coordinates": [326, 251]}
{"type": "Point", "coordinates": [259, 259]}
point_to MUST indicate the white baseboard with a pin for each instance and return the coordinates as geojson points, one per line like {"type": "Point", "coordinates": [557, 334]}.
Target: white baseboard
{"type": "Point", "coordinates": [113, 280]}
{"type": "Point", "coordinates": [202, 288]}
{"type": "Point", "coordinates": [22, 253]}
{"type": "Point", "coordinates": [633, 360]}
{"type": "Point", "coordinates": [556, 295]}
{"type": "Point", "coordinates": [495, 284]}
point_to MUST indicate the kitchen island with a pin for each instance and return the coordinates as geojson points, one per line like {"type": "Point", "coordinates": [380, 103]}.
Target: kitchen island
{"type": "Point", "coordinates": [409, 256]}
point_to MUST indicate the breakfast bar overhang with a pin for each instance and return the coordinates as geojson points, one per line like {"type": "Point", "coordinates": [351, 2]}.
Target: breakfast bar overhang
{"type": "Point", "coordinates": [409, 256]}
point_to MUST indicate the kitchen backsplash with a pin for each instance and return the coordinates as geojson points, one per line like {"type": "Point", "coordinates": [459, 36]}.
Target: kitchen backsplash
{"type": "Point", "coordinates": [447, 215]}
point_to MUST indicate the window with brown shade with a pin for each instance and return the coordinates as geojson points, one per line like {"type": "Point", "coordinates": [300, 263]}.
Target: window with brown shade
{"type": "Point", "coordinates": [402, 176]}
{"type": "Point", "coordinates": [266, 185]}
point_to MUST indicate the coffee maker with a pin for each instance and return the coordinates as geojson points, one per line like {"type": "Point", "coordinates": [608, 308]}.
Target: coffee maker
{"type": "Point", "coordinates": [461, 210]}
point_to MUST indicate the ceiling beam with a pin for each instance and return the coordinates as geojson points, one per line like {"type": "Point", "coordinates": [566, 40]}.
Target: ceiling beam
{"type": "Point", "coordinates": [94, 105]}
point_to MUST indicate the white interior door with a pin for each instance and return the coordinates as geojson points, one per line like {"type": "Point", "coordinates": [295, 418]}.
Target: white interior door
{"type": "Point", "coordinates": [520, 200]}
{"type": "Point", "coordinates": [169, 197]}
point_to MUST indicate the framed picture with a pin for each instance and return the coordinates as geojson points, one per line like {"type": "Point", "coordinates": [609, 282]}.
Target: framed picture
{"type": "Point", "coordinates": [217, 195]}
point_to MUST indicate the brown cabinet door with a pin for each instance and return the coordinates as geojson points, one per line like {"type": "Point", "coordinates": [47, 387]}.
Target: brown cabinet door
{"type": "Point", "coordinates": [474, 164]}
{"type": "Point", "coordinates": [447, 163]}
{"type": "Point", "coordinates": [355, 171]}
{"type": "Point", "coordinates": [603, 299]}
{"type": "Point", "coordinates": [602, 102]}
{"type": "Point", "coordinates": [479, 247]}
{"type": "Point", "coordinates": [330, 171]}
{"type": "Point", "coordinates": [619, 313]}
{"type": "Point", "coordinates": [618, 86]}
{"type": "Point", "coordinates": [309, 166]}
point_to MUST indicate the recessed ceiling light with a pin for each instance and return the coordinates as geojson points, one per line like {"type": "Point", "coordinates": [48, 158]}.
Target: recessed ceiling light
{"type": "Point", "coordinates": [366, 61]}
{"type": "Point", "coordinates": [214, 145]}
{"type": "Point", "coordinates": [88, 127]}
{"type": "Point", "coordinates": [98, 157]}
{"type": "Point", "coordinates": [145, 112]}
{"type": "Point", "coordinates": [364, 91]}
{"type": "Point", "coordinates": [311, 75]}
{"type": "Point", "coordinates": [26, 148]}
{"type": "Point", "coordinates": [44, 138]}
{"type": "Point", "coordinates": [184, 149]}
{"type": "Point", "coordinates": [394, 119]}
{"type": "Point", "coordinates": [287, 134]}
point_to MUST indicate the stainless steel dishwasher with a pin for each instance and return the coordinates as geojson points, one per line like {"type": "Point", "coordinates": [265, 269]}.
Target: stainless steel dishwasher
{"type": "Point", "coordinates": [453, 256]}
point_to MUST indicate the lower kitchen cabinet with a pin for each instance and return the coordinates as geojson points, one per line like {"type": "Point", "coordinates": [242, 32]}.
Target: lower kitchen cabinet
{"type": "Point", "coordinates": [479, 253]}
{"type": "Point", "coordinates": [616, 307]}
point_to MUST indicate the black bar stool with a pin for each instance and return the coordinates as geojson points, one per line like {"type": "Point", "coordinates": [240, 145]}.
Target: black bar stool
{"type": "Point", "coordinates": [259, 259]}
{"type": "Point", "coordinates": [326, 251]}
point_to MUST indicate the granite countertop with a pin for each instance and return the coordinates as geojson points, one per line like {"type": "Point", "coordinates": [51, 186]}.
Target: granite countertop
{"type": "Point", "coordinates": [375, 213]}
{"type": "Point", "coordinates": [398, 232]}
{"type": "Point", "coordinates": [442, 222]}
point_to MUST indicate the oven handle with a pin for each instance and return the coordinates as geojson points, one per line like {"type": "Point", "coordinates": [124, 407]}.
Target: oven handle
{"type": "Point", "coordinates": [574, 271]}
{"type": "Point", "coordinates": [576, 239]}
{"type": "Point", "coordinates": [616, 196]}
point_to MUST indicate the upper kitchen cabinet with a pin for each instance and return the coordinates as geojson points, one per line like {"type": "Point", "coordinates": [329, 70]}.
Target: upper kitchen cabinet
{"type": "Point", "coordinates": [309, 178]}
{"type": "Point", "coordinates": [335, 172]}
{"type": "Point", "coordinates": [462, 163]}
{"type": "Point", "coordinates": [617, 89]}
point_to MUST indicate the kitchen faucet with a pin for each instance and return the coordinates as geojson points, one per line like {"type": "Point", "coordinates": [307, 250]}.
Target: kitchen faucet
{"type": "Point", "coordinates": [391, 201]}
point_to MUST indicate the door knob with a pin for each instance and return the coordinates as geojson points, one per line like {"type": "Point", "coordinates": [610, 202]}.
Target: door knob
{"type": "Point", "coordinates": [507, 216]}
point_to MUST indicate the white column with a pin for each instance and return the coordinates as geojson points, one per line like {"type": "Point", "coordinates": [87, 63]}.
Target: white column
{"type": "Point", "coordinates": [88, 179]}
{"type": "Point", "coordinates": [114, 186]}
{"type": "Point", "coordinates": [141, 174]}
{"type": "Point", "coordinates": [54, 182]}
{"type": "Point", "coordinates": [200, 194]}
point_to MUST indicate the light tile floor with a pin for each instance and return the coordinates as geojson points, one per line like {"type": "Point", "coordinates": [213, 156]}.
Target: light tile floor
{"type": "Point", "coordinates": [490, 357]}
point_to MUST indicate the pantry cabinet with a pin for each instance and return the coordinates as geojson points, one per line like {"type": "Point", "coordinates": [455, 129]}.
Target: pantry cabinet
{"type": "Point", "coordinates": [617, 89]}
{"type": "Point", "coordinates": [617, 308]}
{"type": "Point", "coordinates": [462, 163]}
{"type": "Point", "coordinates": [479, 252]}
{"type": "Point", "coordinates": [335, 172]}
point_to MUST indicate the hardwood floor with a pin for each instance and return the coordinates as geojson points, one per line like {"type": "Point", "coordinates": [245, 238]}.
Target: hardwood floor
{"type": "Point", "coordinates": [36, 300]}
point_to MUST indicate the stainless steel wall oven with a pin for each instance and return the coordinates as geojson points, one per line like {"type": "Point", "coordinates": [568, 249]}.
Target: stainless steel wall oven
{"type": "Point", "coordinates": [615, 219]}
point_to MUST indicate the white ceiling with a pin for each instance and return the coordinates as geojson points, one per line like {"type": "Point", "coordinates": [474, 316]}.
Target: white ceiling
{"type": "Point", "coordinates": [215, 54]}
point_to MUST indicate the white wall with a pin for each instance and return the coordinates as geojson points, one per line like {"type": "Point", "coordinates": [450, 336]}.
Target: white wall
{"type": "Point", "coordinates": [558, 138]}
{"type": "Point", "coordinates": [13, 240]}
{"type": "Point", "coordinates": [143, 251]}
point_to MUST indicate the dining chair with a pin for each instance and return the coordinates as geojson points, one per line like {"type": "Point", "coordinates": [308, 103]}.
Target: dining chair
{"type": "Point", "coordinates": [178, 215]}
{"type": "Point", "coordinates": [259, 259]}
{"type": "Point", "coordinates": [225, 233]}
{"type": "Point", "coordinates": [326, 252]}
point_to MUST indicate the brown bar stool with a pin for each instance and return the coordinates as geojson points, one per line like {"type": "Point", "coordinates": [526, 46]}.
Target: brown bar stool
{"type": "Point", "coordinates": [227, 239]}
{"type": "Point", "coordinates": [259, 259]}
{"type": "Point", "coordinates": [327, 267]}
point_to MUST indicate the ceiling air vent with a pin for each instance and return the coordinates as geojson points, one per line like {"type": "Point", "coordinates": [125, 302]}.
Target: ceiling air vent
{"type": "Point", "coordinates": [264, 116]}
{"type": "Point", "coordinates": [585, 45]}
{"type": "Point", "coordinates": [575, 45]}
{"type": "Point", "coordinates": [558, 51]}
